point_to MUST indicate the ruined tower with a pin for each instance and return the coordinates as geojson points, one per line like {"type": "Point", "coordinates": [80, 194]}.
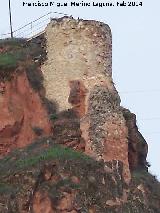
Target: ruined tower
{"type": "Point", "coordinates": [78, 74]}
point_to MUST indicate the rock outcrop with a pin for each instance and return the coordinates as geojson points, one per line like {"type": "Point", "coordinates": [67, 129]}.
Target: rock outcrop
{"type": "Point", "coordinates": [67, 132]}
{"type": "Point", "coordinates": [69, 146]}
{"type": "Point", "coordinates": [137, 146]}
{"type": "Point", "coordinates": [23, 117]}
{"type": "Point", "coordinates": [53, 179]}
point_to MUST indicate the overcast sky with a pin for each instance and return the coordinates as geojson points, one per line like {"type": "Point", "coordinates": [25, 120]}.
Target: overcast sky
{"type": "Point", "coordinates": [136, 57]}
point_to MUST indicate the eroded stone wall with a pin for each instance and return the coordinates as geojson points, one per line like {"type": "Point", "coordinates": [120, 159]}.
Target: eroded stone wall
{"type": "Point", "coordinates": [77, 50]}
{"type": "Point", "coordinates": [78, 75]}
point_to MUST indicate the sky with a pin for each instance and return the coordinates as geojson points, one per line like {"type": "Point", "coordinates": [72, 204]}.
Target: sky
{"type": "Point", "coordinates": [136, 55]}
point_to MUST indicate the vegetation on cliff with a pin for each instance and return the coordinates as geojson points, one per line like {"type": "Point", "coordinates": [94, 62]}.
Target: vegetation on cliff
{"type": "Point", "coordinates": [19, 52]}
{"type": "Point", "coordinates": [61, 174]}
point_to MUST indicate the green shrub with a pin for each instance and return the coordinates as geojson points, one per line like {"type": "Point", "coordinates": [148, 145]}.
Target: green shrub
{"type": "Point", "coordinates": [53, 117]}
{"type": "Point", "coordinates": [18, 51]}
{"type": "Point", "coordinates": [56, 152]}
{"type": "Point", "coordinates": [7, 61]}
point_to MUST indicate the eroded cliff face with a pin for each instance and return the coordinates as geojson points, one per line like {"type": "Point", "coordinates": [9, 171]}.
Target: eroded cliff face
{"type": "Point", "coordinates": [80, 151]}
{"type": "Point", "coordinates": [137, 146]}
{"type": "Point", "coordinates": [22, 114]}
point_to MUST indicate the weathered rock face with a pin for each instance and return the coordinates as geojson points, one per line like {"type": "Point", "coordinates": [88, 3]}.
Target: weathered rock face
{"type": "Point", "coordinates": [66, 131]}
{"type": "Point", "coordinates": [22, 115]}
{"type": "Point", "coordinates": [138, 148]}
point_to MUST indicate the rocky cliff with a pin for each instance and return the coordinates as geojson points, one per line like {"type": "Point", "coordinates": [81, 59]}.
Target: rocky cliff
{"type": "Point", "coordinates": [23, 117]}
{"type": "Point", "coordinates": [66, 144]}
{"type": "Point", "coordinates": [46, 177]}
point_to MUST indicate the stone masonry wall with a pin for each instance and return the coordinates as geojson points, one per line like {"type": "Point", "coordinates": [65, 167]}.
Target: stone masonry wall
{"type": "Point", "coordinates": [78, 75]}
{"type": "Point", "coordinates": [77, 50]}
